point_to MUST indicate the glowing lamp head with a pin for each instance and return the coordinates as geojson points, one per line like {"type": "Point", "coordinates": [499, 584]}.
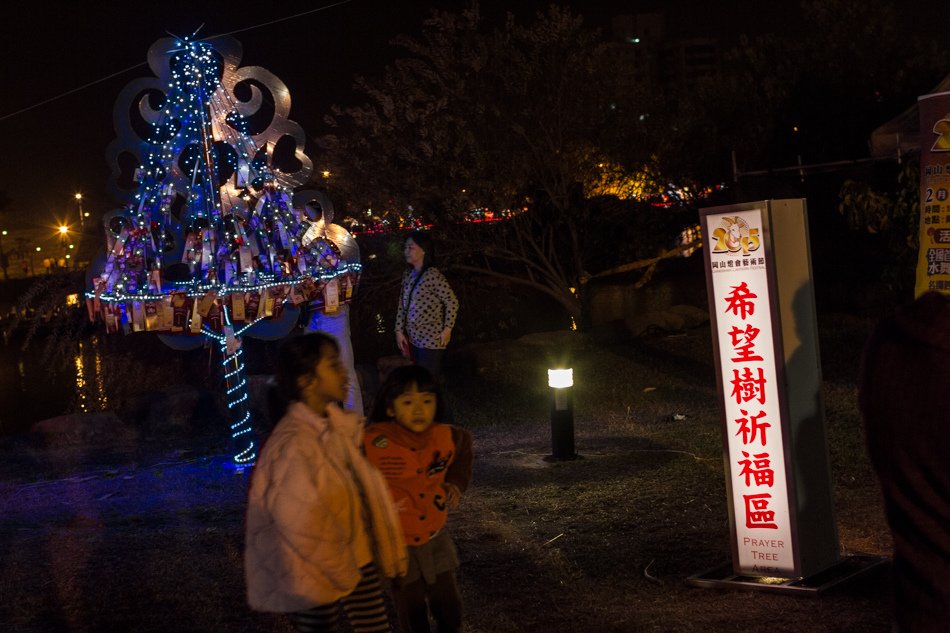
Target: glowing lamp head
{"type": "Point", "coordinates": [63, 229]}
{"type": "Point", "coordinates": [560, 378]}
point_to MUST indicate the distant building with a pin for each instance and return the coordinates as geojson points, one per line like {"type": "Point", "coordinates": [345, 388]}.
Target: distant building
{"type": "Point", "coordinates": [642, 44]}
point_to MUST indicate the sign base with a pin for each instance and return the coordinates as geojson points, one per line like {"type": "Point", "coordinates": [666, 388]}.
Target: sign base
{"type": "Point", "coordinates": [846, 569]}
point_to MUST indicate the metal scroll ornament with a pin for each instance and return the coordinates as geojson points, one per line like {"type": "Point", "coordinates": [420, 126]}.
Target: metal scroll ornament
{"type": "Point", "coordinates": [207, 160]}
{"type": "Point", "coordinates": [212, 242]}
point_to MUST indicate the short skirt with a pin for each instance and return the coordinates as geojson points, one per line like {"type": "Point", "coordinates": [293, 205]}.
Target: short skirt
{"type": "Point", "coordinates": [431, 559]}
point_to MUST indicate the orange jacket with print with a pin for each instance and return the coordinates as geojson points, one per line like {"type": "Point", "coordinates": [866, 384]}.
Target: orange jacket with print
{"type": "Point", "coordinates": [416, 465]}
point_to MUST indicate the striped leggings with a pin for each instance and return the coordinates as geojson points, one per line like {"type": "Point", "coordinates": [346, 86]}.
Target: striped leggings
{"type": "Point", "coordinates": [364, 609]}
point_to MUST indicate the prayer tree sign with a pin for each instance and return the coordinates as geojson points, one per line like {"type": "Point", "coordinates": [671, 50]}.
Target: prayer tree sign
{"type": "Point", "coordinates": [761, 303]}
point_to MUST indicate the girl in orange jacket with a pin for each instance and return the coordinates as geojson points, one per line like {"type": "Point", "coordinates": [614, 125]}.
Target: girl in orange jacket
{"type": "Point", "coordinates": [428, 465]}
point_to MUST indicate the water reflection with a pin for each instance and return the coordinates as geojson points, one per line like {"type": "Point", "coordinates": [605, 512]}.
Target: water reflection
{"type": "Point", "coordinates": [103, 399]}
{"type": "Point", "coordinates": [80, 381]}
{"type": "Point", "coordinates": [90, 384]}
{"type": "Point", "coordinates": [34, 387]}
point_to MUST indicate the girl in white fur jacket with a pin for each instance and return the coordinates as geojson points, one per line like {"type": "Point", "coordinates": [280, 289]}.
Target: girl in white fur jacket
{"type": "Point", "coordinates": [321, 526]}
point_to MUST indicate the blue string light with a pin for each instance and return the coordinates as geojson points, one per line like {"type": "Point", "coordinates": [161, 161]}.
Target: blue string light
{"type": "Point", "coordinates": [199, 290]}
{"type": "Point", "coordinates": [237, 240]}
{"type": "Point", "coordinates": [237, 397]}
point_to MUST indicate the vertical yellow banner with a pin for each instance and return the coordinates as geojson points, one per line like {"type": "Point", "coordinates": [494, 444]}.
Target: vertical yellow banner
{"type": "Point", "coordinates": [933, 259]}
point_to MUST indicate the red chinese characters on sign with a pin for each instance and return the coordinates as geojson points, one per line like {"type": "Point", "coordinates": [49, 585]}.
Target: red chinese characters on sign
{"type": "Point", "coordinates": [752, 428]}
{"type": "Point", "coordinates": [748, 385]}
{"type": "Point", "coordinates": [739, 301]}
{"type": "Point", "coordinates": [757, 513]}
{"type": "Point", "coordinates": [758, 468]}
{"type": "Point", "coordinates": [743, 342]}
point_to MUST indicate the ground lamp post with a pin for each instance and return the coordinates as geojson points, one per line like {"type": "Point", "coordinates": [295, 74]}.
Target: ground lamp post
{"type": "Point", "coordinates": [561, 382]}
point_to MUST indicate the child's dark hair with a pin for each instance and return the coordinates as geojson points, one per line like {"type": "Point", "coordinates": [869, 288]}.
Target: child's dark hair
{"type": "Point", "coordinates": [424, 241]}
{"type": "Point", "coordinates": [297, 356]}
{"type": "Point", "coordinates": [397, 383]}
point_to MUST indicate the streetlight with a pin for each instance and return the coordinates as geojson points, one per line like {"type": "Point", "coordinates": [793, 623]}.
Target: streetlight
{"type": "Point", "coordinates": [561, 382]}
{"type": "Point", "coordinates": [82, 214]}
{"type": "Point", "coordinates": [63, 237]}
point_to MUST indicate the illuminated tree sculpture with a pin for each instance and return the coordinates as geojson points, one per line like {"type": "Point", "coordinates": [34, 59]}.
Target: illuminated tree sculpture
{"type": "Point", "coordinates": [213, 242]}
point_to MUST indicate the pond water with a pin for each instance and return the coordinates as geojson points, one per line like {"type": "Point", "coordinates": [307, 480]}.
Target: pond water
{"type": "Point", "coordinates": [103, 372]}
{"type": "Point", "coordinates": [35, 387]}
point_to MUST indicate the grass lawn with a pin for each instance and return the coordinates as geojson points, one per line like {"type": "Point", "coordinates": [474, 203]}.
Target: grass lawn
{"type": "Point", "coordinates": [149, 536]}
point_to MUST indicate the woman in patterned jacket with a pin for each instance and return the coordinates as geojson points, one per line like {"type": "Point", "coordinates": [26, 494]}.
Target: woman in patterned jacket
{"type": "Point", "coordinates": [427, 306]}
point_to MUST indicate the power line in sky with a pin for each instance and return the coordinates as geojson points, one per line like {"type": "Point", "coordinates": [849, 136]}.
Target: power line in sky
{"type": "Point", "coordinates": [116, 74]}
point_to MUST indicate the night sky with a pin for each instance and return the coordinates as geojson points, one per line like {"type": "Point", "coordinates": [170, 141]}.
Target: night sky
{"type": "Point", "coordinates": [58, 148]}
